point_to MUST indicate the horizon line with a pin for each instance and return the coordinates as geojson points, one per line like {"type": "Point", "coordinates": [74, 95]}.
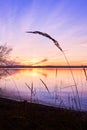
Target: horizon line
{"type": "Point", "coordinates": [44, 66]}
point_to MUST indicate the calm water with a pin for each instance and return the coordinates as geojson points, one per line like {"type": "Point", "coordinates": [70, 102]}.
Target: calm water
{"type": "Point", "coordinates": [48, 86]}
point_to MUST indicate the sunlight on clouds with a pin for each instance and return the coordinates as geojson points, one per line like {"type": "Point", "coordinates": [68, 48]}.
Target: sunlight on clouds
{"type": "Point", "coordinates": [62, 20]}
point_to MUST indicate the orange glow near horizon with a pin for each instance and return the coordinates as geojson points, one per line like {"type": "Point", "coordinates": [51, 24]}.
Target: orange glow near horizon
{"type": "Point", "coordinates": [35, 62]}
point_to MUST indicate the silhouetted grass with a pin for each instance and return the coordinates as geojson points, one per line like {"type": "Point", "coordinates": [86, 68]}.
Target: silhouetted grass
{"type": "Point", "coordinates": [33, 96]}
{"type": "Point", "coordinates": [85, 72]}
{"type": "Point", "coordinates": [45, 85]}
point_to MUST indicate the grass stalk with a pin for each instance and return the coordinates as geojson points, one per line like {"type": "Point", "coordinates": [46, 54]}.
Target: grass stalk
{"type": "Point", "coordinates": [45, 85]}
{"type": "Point", "coordinates": [32, 92]}
{"type": "Point", "coordinates": [85, 72]}
{"type": "Point", "coordinates": [76, 88]}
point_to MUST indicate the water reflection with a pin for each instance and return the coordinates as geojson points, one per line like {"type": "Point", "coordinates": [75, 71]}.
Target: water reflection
{"type": "Point", "coordinates": [3, 73]}
{"type": "Point", "coordinates": [33, 85]}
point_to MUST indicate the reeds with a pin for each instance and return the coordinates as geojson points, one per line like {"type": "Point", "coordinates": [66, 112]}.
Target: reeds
{"type": "Point", "coordinates": [75, 84]}
{"type": "Point", "coordinates": [45, 85]}
{"type": "Point", "coordinates": [56, 43]}
{"type": "Point", "coordinates": [73, 104]}
{"type": "Point", "coordinates": [84, 69]}
{"type": "Point", "coordinates": [32, 92]}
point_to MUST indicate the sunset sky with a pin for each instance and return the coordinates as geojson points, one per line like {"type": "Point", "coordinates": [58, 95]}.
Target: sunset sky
{"type": "Point", "coordinates": [64, 20]}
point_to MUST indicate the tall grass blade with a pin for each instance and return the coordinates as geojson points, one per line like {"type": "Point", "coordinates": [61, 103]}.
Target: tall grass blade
{"type": "Point", "coordinates": [76, 88]}
{"type": "Point", "coordinates": [31, 91]}
{"type": "Point", "coordinates": [85, 72]}
{"type": "Point", "coordinates": [45, 85]}
{"type": "Point", "coordinates": [58, 46]}
{"type": "Point", "coordinates": [28, 86]}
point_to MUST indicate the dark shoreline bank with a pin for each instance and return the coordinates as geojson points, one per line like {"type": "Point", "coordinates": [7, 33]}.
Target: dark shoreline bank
{"type": "Point", "coordinates": [47, 66]}
{"type": "Point", "coordinates": [16, 115]}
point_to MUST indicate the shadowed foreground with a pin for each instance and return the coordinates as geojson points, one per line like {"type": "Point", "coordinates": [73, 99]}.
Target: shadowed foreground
{"type": "Point", "coordinates": [28, 116]}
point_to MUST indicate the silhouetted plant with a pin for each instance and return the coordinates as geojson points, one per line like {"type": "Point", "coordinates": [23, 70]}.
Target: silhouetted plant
{"type": "Point", "coordinates": [84, 69]}
{"type": "Point", "coordinates": [4, 54]}
{"type": "Point", "coordinates": [45, 85]}
{"type": "Point", "coordinates": [33, 95]}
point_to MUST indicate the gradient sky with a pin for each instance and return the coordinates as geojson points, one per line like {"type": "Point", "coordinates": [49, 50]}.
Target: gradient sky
{"type": "Point", "coordinates": [64, 20]}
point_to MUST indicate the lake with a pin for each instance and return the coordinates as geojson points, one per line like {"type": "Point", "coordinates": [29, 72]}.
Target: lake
{"type": "Point", "coordinates": [56, 86]}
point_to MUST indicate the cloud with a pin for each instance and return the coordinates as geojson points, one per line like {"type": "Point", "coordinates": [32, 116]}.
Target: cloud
{"type": "Point", "coordinates": [39, 62]}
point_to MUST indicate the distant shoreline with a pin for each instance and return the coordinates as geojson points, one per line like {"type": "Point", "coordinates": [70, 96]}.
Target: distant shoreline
{"type": "Point", "coordinates": [48, 66]}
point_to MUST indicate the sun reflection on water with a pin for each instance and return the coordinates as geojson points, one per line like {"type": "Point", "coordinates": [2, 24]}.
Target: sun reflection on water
{"type": "Point", "coordinates": [57, 81]}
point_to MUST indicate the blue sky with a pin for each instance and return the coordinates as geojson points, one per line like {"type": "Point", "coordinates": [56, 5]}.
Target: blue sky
{"type": "Point", "coordinates": [64, 20]}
